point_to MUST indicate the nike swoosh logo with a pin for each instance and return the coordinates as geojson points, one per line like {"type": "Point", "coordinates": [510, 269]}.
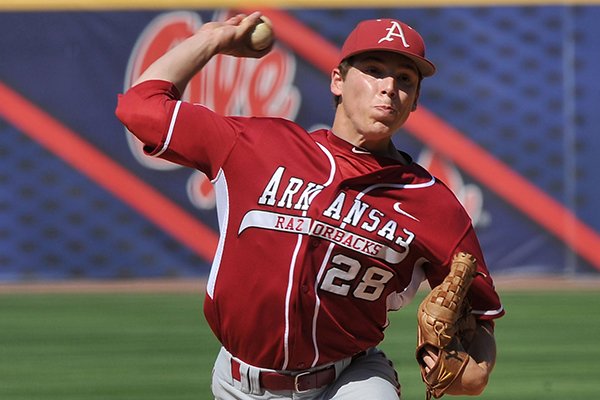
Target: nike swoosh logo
{"type": "Point", "coordinates": [401, 211]}
{"type": "Point", "coordinates": [356, 150]}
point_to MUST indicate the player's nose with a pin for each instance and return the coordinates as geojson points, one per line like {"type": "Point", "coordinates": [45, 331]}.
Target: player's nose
{"type": "Point", "coordinates": [388, 86]}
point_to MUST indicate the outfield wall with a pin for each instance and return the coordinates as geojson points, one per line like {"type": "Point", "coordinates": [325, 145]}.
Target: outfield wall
{"type": "Point", "coordinates": [509, 121]}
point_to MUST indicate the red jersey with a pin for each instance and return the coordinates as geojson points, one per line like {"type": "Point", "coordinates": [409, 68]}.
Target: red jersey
{"type": "Point", "coordinates": [319, 239]}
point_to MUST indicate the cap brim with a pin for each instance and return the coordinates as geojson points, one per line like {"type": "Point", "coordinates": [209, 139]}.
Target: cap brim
{"type": "Point", "coordinates": [425, 67]}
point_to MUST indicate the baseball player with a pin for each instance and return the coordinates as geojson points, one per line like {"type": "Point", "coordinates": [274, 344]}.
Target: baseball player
{"type": "Point", "coordinates": [321, 233]}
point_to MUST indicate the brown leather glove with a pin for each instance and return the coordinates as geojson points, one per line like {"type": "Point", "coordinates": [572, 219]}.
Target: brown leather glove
{"type": "Point", "coordinates": [442, 318]}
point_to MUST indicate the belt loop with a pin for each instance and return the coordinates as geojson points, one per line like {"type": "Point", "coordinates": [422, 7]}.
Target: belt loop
{"type": "Point", "coordinates": [244, 378]}
{"type": "Point", "coordinates": [247, 376]}
{"type": "Point", "coordinates": [254, 381]}
{"type": "Point", "coordinates": [341, 365]}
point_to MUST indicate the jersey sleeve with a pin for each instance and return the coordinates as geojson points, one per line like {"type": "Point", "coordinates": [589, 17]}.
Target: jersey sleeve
{"type": "Point", "coordinates": [453, 232]}
{"type": "Point", "coordinates": [482, 295]}
{"type": "Point", "coordinates": [170, 128]}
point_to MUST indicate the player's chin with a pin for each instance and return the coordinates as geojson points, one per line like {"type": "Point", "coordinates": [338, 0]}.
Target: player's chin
{"type": "Point", "coordinates": [390, 119]}
{"type": "Point", "coordinates": [385, 127]}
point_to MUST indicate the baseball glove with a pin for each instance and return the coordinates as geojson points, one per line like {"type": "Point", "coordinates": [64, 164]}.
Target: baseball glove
{"type": "Point", "coordinates": [443, 321]}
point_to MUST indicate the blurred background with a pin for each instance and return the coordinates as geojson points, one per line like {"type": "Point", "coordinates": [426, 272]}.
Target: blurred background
{"type": "Point", "coordinates": [510, 122]}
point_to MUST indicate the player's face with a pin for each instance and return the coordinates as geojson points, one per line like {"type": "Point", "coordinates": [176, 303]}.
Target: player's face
{"type": "Point", "coordinates": [377, 94]}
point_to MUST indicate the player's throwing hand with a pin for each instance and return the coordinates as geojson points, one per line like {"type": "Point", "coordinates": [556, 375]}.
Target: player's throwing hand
{"type": "Point", "coordinates": [232, 36]}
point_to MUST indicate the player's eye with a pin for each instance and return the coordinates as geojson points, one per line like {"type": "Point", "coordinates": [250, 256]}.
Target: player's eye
{"type": "Point", "coordinates": [407, 78]}
{"type": "Point", "coordinates": [372, 70]}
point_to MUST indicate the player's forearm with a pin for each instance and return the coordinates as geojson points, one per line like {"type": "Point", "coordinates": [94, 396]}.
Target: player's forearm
{"type": "Point", "coordinates": [183, 61]}
{"type": "Point", "coordinates": [482, 352]}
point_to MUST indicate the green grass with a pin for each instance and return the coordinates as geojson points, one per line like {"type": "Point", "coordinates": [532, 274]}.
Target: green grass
{"type": "Point", "coordinates": [104, 346]}
{"type": "Point", "coordinates": [157, 346]}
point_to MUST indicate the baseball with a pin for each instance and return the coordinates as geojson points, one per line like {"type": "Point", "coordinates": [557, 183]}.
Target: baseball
{"type": "Point", "coordinates": [262, 35]}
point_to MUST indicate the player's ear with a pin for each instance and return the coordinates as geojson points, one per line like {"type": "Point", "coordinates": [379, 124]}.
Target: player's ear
{"type": "Point", "coordinates": [414, 106]}
{"type": "Point", "coordinates": [336, 82]}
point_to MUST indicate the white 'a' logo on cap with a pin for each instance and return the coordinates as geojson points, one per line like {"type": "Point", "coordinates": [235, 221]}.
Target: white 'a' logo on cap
{"type": "Point", "coordinates": [395, 30]}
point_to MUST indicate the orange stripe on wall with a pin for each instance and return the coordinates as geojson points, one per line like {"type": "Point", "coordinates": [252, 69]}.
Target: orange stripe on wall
{"type": "Point", "coordinates": [476, 161]}
{"type": "Point", "coordinates": [505, 182]}
{"type": "Point", "coordinates": [82, 156]}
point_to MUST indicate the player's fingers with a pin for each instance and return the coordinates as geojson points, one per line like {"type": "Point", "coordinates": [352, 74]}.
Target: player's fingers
{"type": "Point", "coordinates": [244, 22]}
{"type": "Point", "coordinates": [430, 356]}
{"type": "Point", "coordinates": [249, 21]}
{"type": "Point", "coordinates": [241, 23]}
{"type": "Point", "coordinates": [236, 19]}
{"type": "Point", "coordinates": [239, 45]}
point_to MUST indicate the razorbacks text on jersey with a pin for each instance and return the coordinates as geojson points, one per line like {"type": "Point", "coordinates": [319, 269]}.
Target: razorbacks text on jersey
{"type": "Point", "coordinates": [318, 239]}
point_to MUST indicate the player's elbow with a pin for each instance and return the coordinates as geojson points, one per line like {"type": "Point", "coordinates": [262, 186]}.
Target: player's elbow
{"type": "Point", "coordinates": [474, 381]}
{"type": "Point", "coordinates": [476, 384]}
{"type": "Point", "coordinates": [145, 118]}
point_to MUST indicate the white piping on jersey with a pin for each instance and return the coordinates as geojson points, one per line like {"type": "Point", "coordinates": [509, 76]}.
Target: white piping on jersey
{"type": "Point", "coordinates": [291, 276]}
{"type": "Point", "coordinates": [489, 312]}
{"type": "Point", "coordinates": [429, 183]}
{"type": "Point", "coordinates": [395, 300]}
{"type": "Point", "coordinates": [171, 128]}
{"type": "Point", "coordinates": [288, 295]}
{"type": "Point", "coordinates": [222, 196]}
{"type": "Point", "coordinates": [331, 163]}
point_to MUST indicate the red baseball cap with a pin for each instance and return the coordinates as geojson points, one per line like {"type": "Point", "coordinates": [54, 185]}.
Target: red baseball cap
{"type": "Point", "coordinates": [388, 35]}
